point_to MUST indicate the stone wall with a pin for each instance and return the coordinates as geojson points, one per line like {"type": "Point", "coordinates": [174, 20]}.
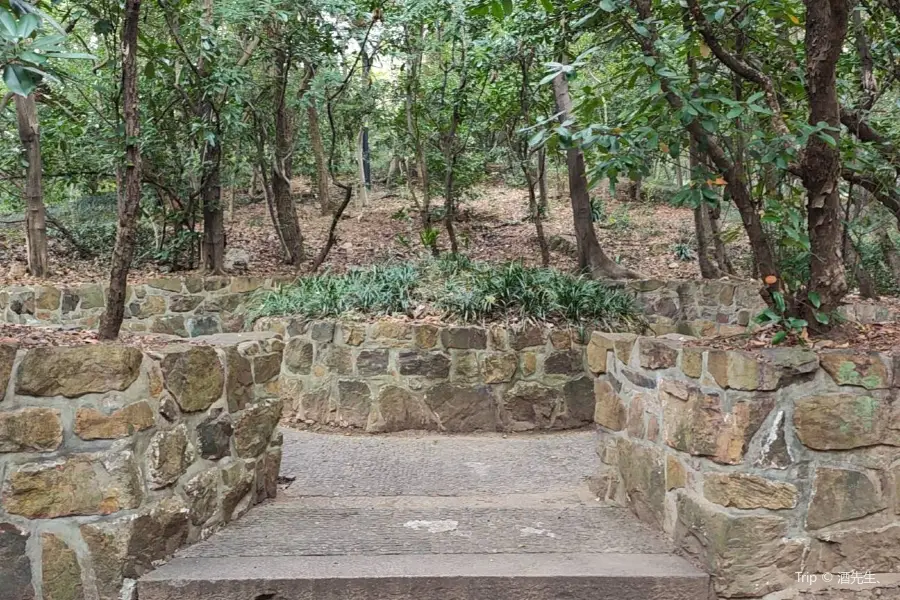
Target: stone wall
{"type": "Point", "coordinates": [185, 307]}
{"type": "Point", "coordinates": [777, 471]}
{"type": "Point", "coordinates": [111, 457]}
{"type": "Point", "coordinates": [392, 375]}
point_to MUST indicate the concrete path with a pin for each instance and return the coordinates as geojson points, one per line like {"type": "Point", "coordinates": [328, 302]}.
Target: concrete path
{"type": "Point", "coordinates": [432, 518]}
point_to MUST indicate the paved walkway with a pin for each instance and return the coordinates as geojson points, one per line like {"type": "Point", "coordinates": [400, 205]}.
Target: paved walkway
{"type": "Point", "coordinates": [369, 512]}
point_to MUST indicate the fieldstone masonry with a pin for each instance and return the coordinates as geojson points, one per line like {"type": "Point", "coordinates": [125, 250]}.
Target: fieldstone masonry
{"type": "Point", "coordinates": [761, 466]}
{"type": "Point", "coordinates": [112, 457]}
{"type": "Point", "coordinates": [392, 376]}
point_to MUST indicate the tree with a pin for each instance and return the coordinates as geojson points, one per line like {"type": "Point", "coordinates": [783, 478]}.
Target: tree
{"type": "Point", "coordinates": [130, 194]}
{"type": "Point", "coordinates": [35, 217]}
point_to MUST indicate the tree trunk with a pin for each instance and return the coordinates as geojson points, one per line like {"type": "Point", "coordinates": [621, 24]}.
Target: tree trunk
{"type": "Point", "coordinates": [719, 250]}
{"type": "Point", "coordinates": [211, 179]}
{"type": "Point", "coordinates": [891, 253]}
{"type": "Point", "coordinates": [315, 139]}
{"type": "Point", "coordinates": [130, 200]}
{"type": "Point", "coordinates": [543, 194]}
{"type": "Point", "coordinates": [35, 216]}
{"type": "Point", "coordinates": [282, 170]}
{"type": "Point", "coordinates": [362, 194]}
{"type": "Point", "coordinates": [535, 210]}
{"type": "Point", "coordinates": [591, 258]}
{"type": "Point", "coordinates": [412, 125]}
{"type": "Point", "coordinates": [826, 28]}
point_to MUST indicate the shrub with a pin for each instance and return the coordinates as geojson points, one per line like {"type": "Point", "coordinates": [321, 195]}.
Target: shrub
{"type": "Point", "coordinates": [459, 288]}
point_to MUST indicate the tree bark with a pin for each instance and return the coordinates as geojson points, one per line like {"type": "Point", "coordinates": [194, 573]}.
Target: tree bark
{"type": "Point", "coordinates": [35, 214]}
{"type": "Point", "coordinates": [412, 124]}
{"type": "Point", "coordinates": [826, 28]}
{"type": "Point", "coordinates": [282, 170]}
{"type": "Point", "coordinates": [591, 258]}
{"type": "Point", "coordinates": [130, 200]}
{"type": "Point", "coordinates": [211, 180]}
{"type": "Point", "coordinates": [318, 148]}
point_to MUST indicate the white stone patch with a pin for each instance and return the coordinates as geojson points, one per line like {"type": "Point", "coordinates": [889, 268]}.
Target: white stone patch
{"type": "Point", "coordinates": [432, 526]}
{"type": "Point", "coordinates": [480, 469]}
{"type": "Point", "coordinates": [530, 531]}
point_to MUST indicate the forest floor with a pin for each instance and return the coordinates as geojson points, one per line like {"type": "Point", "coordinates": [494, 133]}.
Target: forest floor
{"type": "Point", "coordinates": [493, 226]}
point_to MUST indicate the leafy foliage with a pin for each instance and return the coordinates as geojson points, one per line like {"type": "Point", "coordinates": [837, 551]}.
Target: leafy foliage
{"type": "Point", "coordinates": [460, 289]}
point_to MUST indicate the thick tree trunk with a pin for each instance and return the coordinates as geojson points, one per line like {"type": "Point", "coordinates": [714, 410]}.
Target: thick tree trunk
{"type": "Point", "coordinates": [130, 200]}
{"type": "Point", "coordinates": [282, 170]}
{"type": "Point", "coordinates": [35, 215]}
{"type": "Point", "coordinates": [591, 258]}
{"type": "Point", "coordinates": [826, 28]}
{"type": "Point", "coordinates": [318, 148]}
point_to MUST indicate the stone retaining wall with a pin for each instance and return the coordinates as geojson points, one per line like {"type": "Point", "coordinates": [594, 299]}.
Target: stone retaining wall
{"type": "Point", "coordinates": [764, 467]}
{"type": "Point", "coordinates": [392, 376]}
{"type": "Point", "coordinates": [185, 307]}
{"type": "Point", "coordinates": [195, 306]}
{"type": "Point", "coordinates": [111, 457]}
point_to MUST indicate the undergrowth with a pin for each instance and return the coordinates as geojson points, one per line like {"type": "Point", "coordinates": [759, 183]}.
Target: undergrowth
{"type": "Point", "coordinates": [457, 288]}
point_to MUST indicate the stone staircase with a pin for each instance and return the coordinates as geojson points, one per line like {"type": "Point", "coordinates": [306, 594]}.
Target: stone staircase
{"type": "Point", "coordinates": [432, 518]}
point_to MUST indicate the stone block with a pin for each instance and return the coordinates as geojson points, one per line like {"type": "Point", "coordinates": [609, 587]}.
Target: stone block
{"type": "Point", "coordinates": [352, 334]}
{"type": "Point", "coordinates": [7, 357]}
{"type": "Point", "coordinates": [841, 421]}
{"type": "Point", "coordinates": [848, 367]}
{"type": "Point", "coordinates": [184, 303]}
{"type": "Point", "coordinates": [194, 376]}
{"type": "Point", "coordinates": [204, 325]}
{"type": "Point", "coordinates": [92, 424]}
{"type": "Point", "coordinates": [602, 343]}
{"type": "Point", "coordinates": [225, 303]}
{"type": "Point", "coordinates": [298, 356]}
{"type": "Point", "coordinates": [77, 370]}
{"type": "Point", "coordinates": [80, 484]}
{"type": "Point", "coordinates": [560, 339]}
{"type": "Point", "coordinates": [169, 285]}
{"type": "Point", "coordinates": [433, 365]}
{"type": "Point", "coordinates": [609, 411]}
{"type": "Point", "coordinates": [238, 480]}
{"type": "Point", "coordinates": [169, 455]}
{"type": "Point", "coordinates": [463, 408]}
{"type": "Point", "coordinates": [635, 418]}
{"type": "Point", "coordinates": [46, 297]}
{"type": "Point", "coordinates": [774, 452]}
{"type": "Point", "coordinates": [696, 423]}
{"type": "Point", "coordinates": [564, 362]}
{"type": "Point", "coordinates": [464, 366]}
{"type": "Point", "coordinates": [579, 403]}
{"type": "Point", "coordinates": [266, 367]}
{"type": "Point", "coordinates": [638, 379]}
{"type": "Point", "coordinates": [169, 325]}
{"type": "Point", "coordinates": [243, 285]}
{"type": "Point", "coordinates": [392, 334]}
{"type": "Point", "coordinates": [746, 555]}
{"type": "Point", "coordinates": [254, 427]}
{"type": "Point", "coordinates": [15, 565]}
{"type": "Point", "coordinates": [321, 331]}
{"type": "Point", "coordinates": [336, 359]}
{"type": "Point", "coordinates": [746, 491]}
{"type": "Point", "coordinates": [498, 338]}
{"type": "Point", "coordinates": [842, 495]}
{"type": "Point", "coordinates": [499, 367]}
{"type": "Point", "coordinates": [371, 363]}
{"type": "Point", "coordinates": [643, 479]}
{"type": "Point", "coordinates": [211, 284]}
{"type": "Point", "coordinates": [528, 364]}
{"type": "Point", "coordinates": [464, 338]}
{"type": "Point", "coordinates": [91, 295]}
{"type": "Point", "coordinates": [692, 361]}
{"type": "Point", "coordinates": [532, 405]}
{"type": "Point", "coordinates": [148, 307]}
{"type": "Point", "coordinates": [765, 370]}
{"type": "Point", "coordinates": [30, 430]}
{"type": "Point", "coordinates": [529, 336]}
{"type": "Point", "coordinates": [871, 549]}
{"type": "Point", "coordinates": [398, 409]}
{"type": "Point", "coordinates": [676, 475]}
{"type": "Point", "coordinates": [353, 403]}
{"type": "Point", "coordinates": [656, 354]}
{"type": "Point", "coordinates": [60, 571]}
{"type": "Point", "coordinates": [239, 379]}
{"type": "Point", "coordinates": [202, 492]}
{"type": "Point", "coordinates": [214, 437]}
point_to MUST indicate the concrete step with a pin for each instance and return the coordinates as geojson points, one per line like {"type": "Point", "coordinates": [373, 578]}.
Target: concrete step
{"type": "Point", "coordinates": [432, 518]}
{"type": "Point", "coordinates": [429, 577]}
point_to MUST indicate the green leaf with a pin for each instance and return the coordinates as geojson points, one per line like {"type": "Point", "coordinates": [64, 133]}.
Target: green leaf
{"type": "Point", "coordinates": [548, 5]}
{"type": "Point", "coordinates": [815, 299]}
{"type": "Point", "coordinates": [27, 25]}
{"type": "Point", "coordinates": [11, 28]}
{"type": "Point", "coordinates": [719, 15]}
{"type": "Point", "coordinates": [780, 305]}
{"type": "Point", "coordinates": [735, 112]}
{"type": "Point", "coordinates": [19, 80]}
{"type": "Point", "coordinates": [536, 140]}
{"type": "Point", "coordinates": [798, 323]}
{"type": "Point", "coordinates": [507, 7]}
{"type": "Point", "coordinates": [823, 318]}
{"type": "Point", "coordinates": [779, 337]}
{"type": "Point", "coordinates": [607, 5]}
